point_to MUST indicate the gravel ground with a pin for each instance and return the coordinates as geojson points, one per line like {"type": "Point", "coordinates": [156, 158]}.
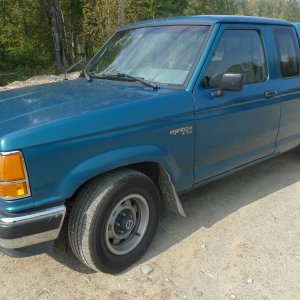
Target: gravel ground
{"type": "Point", "coordinates": [36, 80]}
{"type": "Point", "coordinates": [240, 240]}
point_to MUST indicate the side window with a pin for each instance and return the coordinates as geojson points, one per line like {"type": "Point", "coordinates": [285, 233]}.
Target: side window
{"type": "Point", "coordinates": [288, 52]}
{"type": "Point", "coordinates": [239, 51]}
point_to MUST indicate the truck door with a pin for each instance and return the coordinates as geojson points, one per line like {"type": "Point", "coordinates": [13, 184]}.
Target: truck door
{"type": "Point", "coordinates": [288, 85]}
{"type": "Point", "coordinates": [237, 127]}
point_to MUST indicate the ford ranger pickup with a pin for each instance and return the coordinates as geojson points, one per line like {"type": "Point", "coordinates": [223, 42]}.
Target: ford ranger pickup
{"type": "Point", "coordinates": [164, 107]}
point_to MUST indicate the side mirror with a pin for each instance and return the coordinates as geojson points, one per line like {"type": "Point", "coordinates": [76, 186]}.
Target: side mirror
{"type": "Point", "coordinates": [230, 82]}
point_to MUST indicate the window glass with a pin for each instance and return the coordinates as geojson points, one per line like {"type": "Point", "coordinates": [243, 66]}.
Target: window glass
{"type": "Point", "coordinates": [288, 53]}
{"type": "Point", "coordinates": [239, 51]}
{"type": "Point", "coordinates": [162, 54]}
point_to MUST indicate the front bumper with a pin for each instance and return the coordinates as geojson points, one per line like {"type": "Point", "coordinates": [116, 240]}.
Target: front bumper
{"type": "Point", "coordinates": [22, 230]}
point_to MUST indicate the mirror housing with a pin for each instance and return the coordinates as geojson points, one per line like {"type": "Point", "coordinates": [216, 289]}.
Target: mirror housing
{"type": "Point", "coordinates": [233, 82]}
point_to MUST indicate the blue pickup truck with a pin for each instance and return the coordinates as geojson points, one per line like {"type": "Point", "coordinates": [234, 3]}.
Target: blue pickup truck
{"type": "Point", "coordinates": [164, 107]}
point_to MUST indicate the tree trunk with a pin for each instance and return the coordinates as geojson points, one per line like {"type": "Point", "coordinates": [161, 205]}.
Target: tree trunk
{"type": "Point", "coordinates": [64, 33]}
{"type": "Point", "coordinates": [73, 36]}
{"type": "Point", "coordinates": [56, 26]}
{"type": "Point", "coordinates": [121, 12]}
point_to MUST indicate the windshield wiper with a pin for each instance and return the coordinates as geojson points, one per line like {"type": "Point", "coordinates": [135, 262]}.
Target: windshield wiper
{"type": "Point", "coordinates": [142, 80]}
{"type": "Point", "coordinates": [126, 76]}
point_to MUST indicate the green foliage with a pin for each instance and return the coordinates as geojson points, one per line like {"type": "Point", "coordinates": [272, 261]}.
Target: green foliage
{"type": "Point", "coordinates": [284, 9]}
{"type": "Point", "coordinates": [26, 44]}
{"type": "Point", "coordinates": [209, 7]}
{"type": "Point", "coordinates": [291, 11]}
{"type": "Point", "coordinates": [99, 21]}
{"type": "Point", "coordinates": [23, 32]}
{"type": "Point", "coordinates": [100, 16]}
{"type": "Point", "coordinates": [72, 13]}
{"type": "Point", "coordinates": [266, 8]}
{"type": "Point", "coordinates": [150, 9]}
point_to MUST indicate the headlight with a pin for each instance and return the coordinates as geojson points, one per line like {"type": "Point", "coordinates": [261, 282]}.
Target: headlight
{"type": "Point", "coordinates": [13, 176]}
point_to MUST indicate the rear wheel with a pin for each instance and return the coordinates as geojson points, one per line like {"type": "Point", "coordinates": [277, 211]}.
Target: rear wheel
{"type": "Point", "coordinates": [114, 220]}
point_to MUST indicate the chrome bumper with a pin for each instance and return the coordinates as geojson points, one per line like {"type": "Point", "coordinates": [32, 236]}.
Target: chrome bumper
{"type": "Point", "coordinates": [18, 231]}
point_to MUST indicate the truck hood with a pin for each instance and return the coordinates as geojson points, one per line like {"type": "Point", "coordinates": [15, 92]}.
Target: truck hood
{"type": "Point", "coordinates": [48, 102]}
{"type": "Point", "coordinates": [73, 108]}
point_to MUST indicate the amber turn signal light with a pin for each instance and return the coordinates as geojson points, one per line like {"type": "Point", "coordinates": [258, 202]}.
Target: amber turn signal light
{"type": "Point", "coordinates": [11, 167]}
{"type": "Point", "coordinates": [13, 176]}
{"type": "Point", "coordinates": [13, 190]}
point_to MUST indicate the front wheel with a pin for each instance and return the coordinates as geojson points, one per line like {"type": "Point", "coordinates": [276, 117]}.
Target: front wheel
{"type": "Point", "coordinates": [114, 220]}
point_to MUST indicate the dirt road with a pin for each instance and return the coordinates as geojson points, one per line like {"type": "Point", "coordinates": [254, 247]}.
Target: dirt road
{"type": "Point", "coordinates": [36, 80]}
{"type": "Point", "coordinates": [241, 240]}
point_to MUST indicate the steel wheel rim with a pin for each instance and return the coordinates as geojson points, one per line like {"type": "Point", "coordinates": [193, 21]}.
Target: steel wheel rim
{"type": "Point", "coordinates": [127, 224]}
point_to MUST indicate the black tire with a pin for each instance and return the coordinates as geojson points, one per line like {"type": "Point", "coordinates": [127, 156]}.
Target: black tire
{"type": "Point", "coordinates": [93, 209]}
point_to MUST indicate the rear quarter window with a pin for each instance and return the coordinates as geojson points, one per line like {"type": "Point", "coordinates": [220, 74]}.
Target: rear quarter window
{"type": "Point", "coordinates": [288, 52]}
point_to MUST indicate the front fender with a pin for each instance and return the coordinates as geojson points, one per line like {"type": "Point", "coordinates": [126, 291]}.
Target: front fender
{"type": "Point", "coordinates": [112, 160]}
{"type": "Point", "coordinates": [65, 183]}
{"type": "Point", "coordinates": [115, 159]}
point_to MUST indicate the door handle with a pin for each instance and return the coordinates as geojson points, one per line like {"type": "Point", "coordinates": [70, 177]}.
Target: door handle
{"type": "Point", "coordinates": [270, 94]}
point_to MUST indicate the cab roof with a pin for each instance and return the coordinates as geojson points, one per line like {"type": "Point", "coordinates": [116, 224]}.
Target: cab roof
{"type": "Point", "coordinates": [209, 20]}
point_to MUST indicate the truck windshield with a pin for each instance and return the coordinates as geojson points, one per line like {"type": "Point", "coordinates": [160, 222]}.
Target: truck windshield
{"type": "Point", "coordinates": [160, 54]}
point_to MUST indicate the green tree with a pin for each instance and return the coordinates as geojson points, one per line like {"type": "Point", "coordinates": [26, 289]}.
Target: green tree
{"type": "Point", "coordinates": [207, 7]}
{"type": "Point", "coordinates": [291, 11]}
{"type": "Point", "coordinates": [242, 7]}
{"type": "Point", "coordinates": [25, 41]}
{"type": "Point", "coordinates": [99, 22]}
{"type": "Point", "coordinates": [72, 17]}
{"type": "Point", "coordinates": [102, 17]}
{"type": "Point", "coordinates": [266, 8]}
{"type": "Point", "coordinates": [27, 44]}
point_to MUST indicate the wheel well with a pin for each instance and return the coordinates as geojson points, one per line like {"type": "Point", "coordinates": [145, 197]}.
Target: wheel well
{"type": "Point", "coordinates": [159, 176]}
{"type": "Point", "coordinates": [150, 169]}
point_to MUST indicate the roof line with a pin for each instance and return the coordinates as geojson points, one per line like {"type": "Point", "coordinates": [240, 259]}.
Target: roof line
{"type": "Point", "coordinates": [206, 19]}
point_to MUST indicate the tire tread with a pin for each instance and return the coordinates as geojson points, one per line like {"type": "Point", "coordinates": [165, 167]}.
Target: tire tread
{"type": "Point", "coordinates": [83, 211]}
